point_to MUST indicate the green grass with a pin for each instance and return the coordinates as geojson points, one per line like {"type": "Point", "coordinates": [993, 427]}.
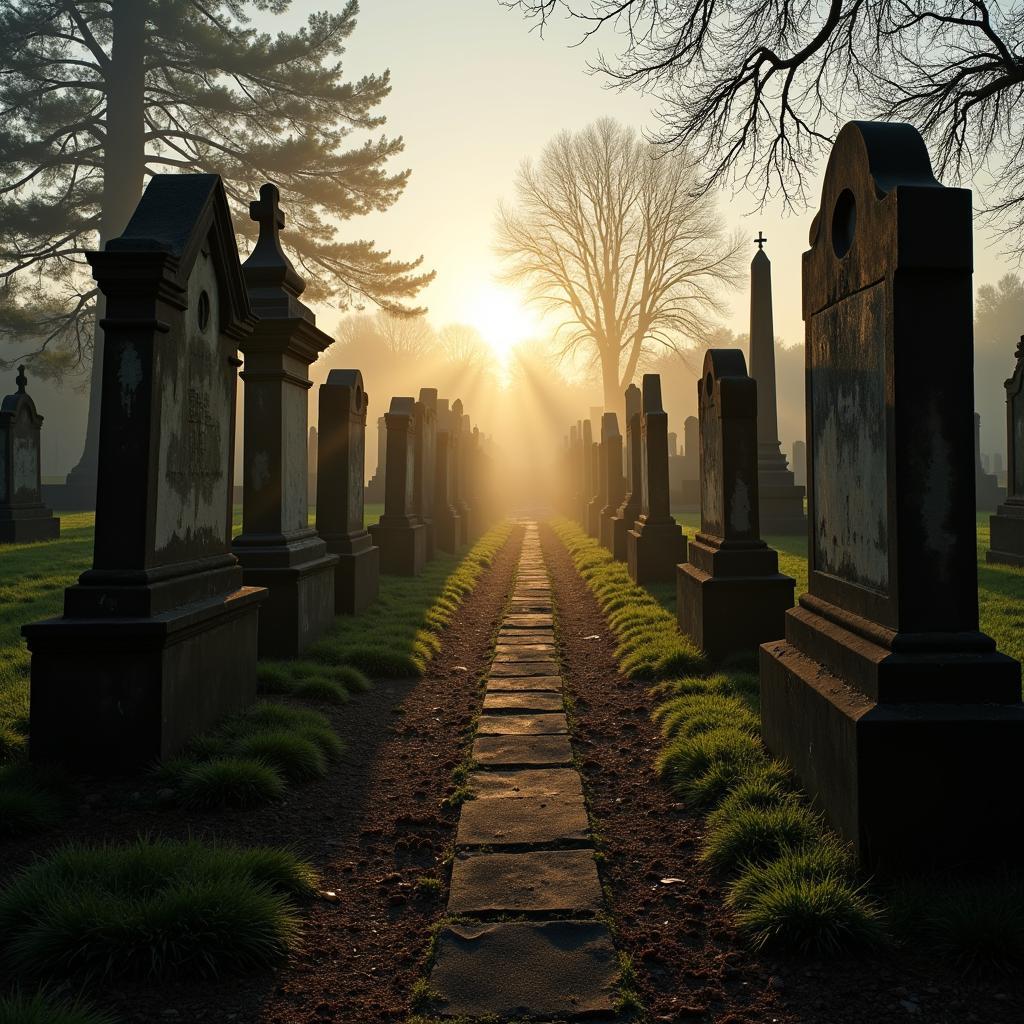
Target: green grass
{"type": "Point", "coordinates": [230, 782]}
{"type": "Point", "coordinates": [31, 798]}
{"type": "Point", "coordinates": [43, 1008]}
{"type": "Point", "coordinates": [150, 910]}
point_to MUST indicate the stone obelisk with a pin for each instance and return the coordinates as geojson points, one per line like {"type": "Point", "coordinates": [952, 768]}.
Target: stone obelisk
{"type": "Point", "coordinates": [781, 501]}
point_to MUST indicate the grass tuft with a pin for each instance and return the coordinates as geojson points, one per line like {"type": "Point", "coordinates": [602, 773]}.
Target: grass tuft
{"type": "Point", "coordinates": [754, 835]}
{"type": "Point", "coordinates": [296, 757]}
{"type": "Point", "coordinates": [44, 1008]}
{"type": "Point", "coordinates": [230, 782]}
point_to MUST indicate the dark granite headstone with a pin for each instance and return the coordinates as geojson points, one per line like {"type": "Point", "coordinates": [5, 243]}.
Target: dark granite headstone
{"type": "Point", "coordinates": [897, 714]}
{"type": "Point", "coordinates": [277, 547]}
{"type": "Point", "coordinates": [599, 486]}
{"type": "Point", "coordinates": [684, 470]}
{"type": "Point", "coordinates": [629, 511]}
{"type": "Point", "coordinates": [612, 482]}
{"type": "Point", "coordinates": [447, 524]}
{"type": "Point", "coordinates": [730, 596]}
{"type": "Point", "coordinates": [656, 544]}
{"type": "Point", "coordinates": [399, 534]}
{"type": "Point", "coordinates": [1006, 544]}
{"type": "Point", "coordinates": [375, 488]}
{"type": "Point", "coordinates": [987, 492]}
{"type": "Point", "coordinates": [460, 493]}
{"type": "Point", "coordinates": [158, 638]}
{"type": "Point", "coordinates": [426, 459]}
{"type": "Point", "coordinates": [587, 464]}
{"type": "Point", "coordinates": [23, 516]}
{"type": "Point", "coordinates": [341, 469]}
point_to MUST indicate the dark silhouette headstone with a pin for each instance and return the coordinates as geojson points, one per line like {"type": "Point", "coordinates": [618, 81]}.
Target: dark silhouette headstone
{"type": "Point", "coordinates": [1006, 543]}
{"type": "Point", "coordinates": [399, 534]}
{"type": "Point", "coordinates": [656, 544]}
{"type": "Point", "coordinates": [341, 469]}
{"type": "Point", "coordinates": [375, 487]}
{"type": "Point", "coordinates": [897, 714]}
{"type": "Point", "coordinates": [158, 638]}
{"type": "Point", "coordinates": [426, 463]}
{"type": "Point", "coordinates": [447, 525]}
{"type": "Point", "coordinates": [987, 492]}
{"type": "Point", "coordinates": [460, 493]}
{"type": "Point", "coordinates": [587, 463]}
{"type": "Point", "coordinates": [730, 596]}
{"type": "Point", "coordinates": [23, 516]}
{"type": "Point", "coordinates": [277, 547]}
{"type": "Point", "coordinates": [598, 485]}
{"type": "Point", "coordinates": [629, 511]}
{"type": "Point", "coordinates": [612, 482]}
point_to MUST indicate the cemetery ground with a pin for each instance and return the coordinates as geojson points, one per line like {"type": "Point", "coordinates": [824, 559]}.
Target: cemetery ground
{"type": "Point", "coordinates": [369, 829]}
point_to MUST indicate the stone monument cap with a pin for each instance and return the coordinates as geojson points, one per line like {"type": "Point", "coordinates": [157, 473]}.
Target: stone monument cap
{"type": "Point", "coordinates": [609, 426]}
{"type": "Point", "coordinates": [652, 393]}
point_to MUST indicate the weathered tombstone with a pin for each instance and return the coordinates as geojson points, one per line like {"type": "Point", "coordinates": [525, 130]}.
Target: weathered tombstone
{"type": "Point", "coordinates": [277, 547]}
{"type": "Point", "coordinates": [689, 488]}
{"type": "Point", "coordinates": [399, 534]}
{"type": "Point", "coordinates": [800, 463]}
{"type": "Point", "coordinates": [673, 445]}
{"type": "Point", "coordinates": [613, 484]}
{"type": "Point", "coordinates": [587, 464]}
{"type": "Point", "coordinates": [987, 492]}
{"type": "Point", "coordinates": [1007, 525]}
{"type": "Point", "coordinates": [341, 470]}
{"type": "Point", "coordinates": [782, 502]}
{"type": "Point", "coordinates": [457, 443]}
{"type": "Point", "coordinates": [158, 638]}
{"type": "Point", "coordinates": [898, 716]}
{"type": "Point", "coordinates": [426, 459]}
{"type": "Point", "coordinates": [656, 544]}
{"type": "Point", "coordinates": [467, 483]}
{"type": "Point", "coordinates": [23, 516]}
{"type": "Point", "coordinates": [629, 511]}
{"type": "Point", "coordinates": [598, 485]}
{"type": "Point", "coordinates": [375, 488]}
{"type": "Point", "coordinates": [447, 524]}
{"type": "Point", "coordinates": [730, 596]}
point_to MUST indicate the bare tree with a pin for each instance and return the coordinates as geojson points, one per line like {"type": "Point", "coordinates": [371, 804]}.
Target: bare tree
{"type": "Point", "coordinates": [462, 344]}
{"type": "Point", "coordinates": [755, 90]}
{"type": "Point", "coordinates": [607, 233]}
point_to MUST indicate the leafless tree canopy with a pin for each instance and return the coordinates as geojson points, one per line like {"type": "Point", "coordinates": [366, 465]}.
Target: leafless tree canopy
{"type": "Point", "coordinates": [755, 89]}
{"type": "Point", "coordinates": [607, 233]}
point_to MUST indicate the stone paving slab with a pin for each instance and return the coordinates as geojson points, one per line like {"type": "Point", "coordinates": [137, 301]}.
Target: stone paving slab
{"type": "Point", "coordinates": [504, 724]}
{"type": "Point", "coordinates": [524, 668]}
{"type": "Point", "coordinates": [529, 621]}
{"type": "Point", "coordinates": [523, 655]}
{"type": "Point", "coordinates": [539, 636]}
{"type": "Point", "coordinates": [524, 808]}
{"type": "Point", "coordinates": [525, 647]}
{"type": "Point", "coordinates": [522, 751]}
{"type": "Point", "coordinates": [526, 702]}
{"type": "Point", "coordinates": [496, 684]}
{"type": "Point", "coordinates": [551, 881]}
{"type": "Point", "coordinates": [520, 969]}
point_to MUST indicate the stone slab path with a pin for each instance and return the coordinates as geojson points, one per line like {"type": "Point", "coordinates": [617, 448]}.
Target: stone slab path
{"type": "Point", "coordinates": [524, 869]}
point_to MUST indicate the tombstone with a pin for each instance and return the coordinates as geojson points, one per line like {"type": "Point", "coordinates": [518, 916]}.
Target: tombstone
{"type": "Point", "coordinates": [899, 717]}
{"type": "Point", "coordinates": [23, 516]}
{"type": "Point", "coordinates": [629, 511]}
{"type": "Point", "coordinates": [997, 467]}
{"type": "Point", "coordinates": [730, 596]}
{"type": "Point", "coordinates": [673, 445]}
{"type": "Point", "coordinates": [467, 482]}
{"type": "Point", "coordinates": [277, 547]}
{"type": "Point", "coordinates": [689, 487]}
{"type": "Point", "coordinates": [1006, 544]}
{"type": "Point", "coordinates": [782, 501]}
{"type": "Point", "coordinates": [447, 524]}
{"type": "Point", "coordinates": [656, 543]}
{"type": "Point", "coordinates": [158, 638]}
{"type": "Point", "coordinates": [598, 488]}
{"type": "Point", "coordinates": [375, 488]}
{"type": "Point", "coordinates": [800, 463]}
{"type": "Point", "coordinates": [426, 459]}
{"type": "Point", "coordinates": [460, 496]}
{"type": "Point", "coordinates": [341, 470]}
{"type": "Point", "coordinates": [587, 473]}
{"type": "Point", "coordinates": [987, 492]}
{"type": "Point", "coordinates": [613, 483]}
{"type": "Point", "coordinates": [399, 534]}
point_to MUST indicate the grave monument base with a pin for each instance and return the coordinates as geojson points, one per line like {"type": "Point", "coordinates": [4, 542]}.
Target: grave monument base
{"type": "Point", "coordinates": [910, 785]}
{"type": "Point", "coordinates": [653, 550]}
{"type": "Point", "coordinates": [115, 694]}
{"type": "Point", "coordinates": [22, 525]}
{"type": "Point", "coordinates": [299, 576]}
{"type": "Point", "coordinates": [356, 576]}
{"type": "Point", "coordinates": [1006, 545]}
{"type": "Point", "coordinates": [620, 535]}
{"type": "Point", "coordinates": [607, 537]}
{"type": "Point", "coordinates": [448, 533]}
{"type": "Point", "coordinates": [780, 504]}
{"type": "Point", "coordinates": [403, 547]}
{"type": "Point", "coordinates": [731, 598]}
{"type": "Point", "coordinates": [594, 519]}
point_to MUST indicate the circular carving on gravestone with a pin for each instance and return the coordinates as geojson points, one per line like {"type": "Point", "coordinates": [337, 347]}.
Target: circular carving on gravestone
{"type": "Point", "coordinates": [844, 223]}
{"type": "Point", "coordinates": [203, 310]}
{"type": "Point", "coordinates": [709, 385]}
{"type": "Point", "coordinates": [359, 399]}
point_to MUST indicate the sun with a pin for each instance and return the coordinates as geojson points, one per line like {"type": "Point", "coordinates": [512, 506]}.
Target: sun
{"type": "Point", "coordinates": [502, 319]}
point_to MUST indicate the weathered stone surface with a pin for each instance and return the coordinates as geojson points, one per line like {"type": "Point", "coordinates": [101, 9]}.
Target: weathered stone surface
{"type": "Point", "coordinates": [525, 969]}
{"type": "Point", "coordinates": [524, 808]}
{"type": "Point", "coordinates": [525, 702]}
{"type": "Point", "coordinates": [524, 668]}
{"type": "Point", "coordinates": [552, 881]}
{"type": "Point", "coordinates": [521, 648]}
{"type": "Point", "coordinates": [539, 636]}
{"type": "Point", "coordinates": [522, 751]}
{"type": "Point", "coordinates": [496, 684]}
{"type": "Point", "coordinates": [527, 621]}
{"type": "Point", "coordinates": [511, 725]}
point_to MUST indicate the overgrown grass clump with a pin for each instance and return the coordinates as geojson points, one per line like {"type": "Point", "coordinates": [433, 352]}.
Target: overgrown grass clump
{"type": "Point", "coordinates": [311, 680]}
{"type": "Point", "coordinates": [151, 910]}
{"type": "Point", "coordinates": [43, 1008]}
{"type": "Point", "coordinates": [31, 798]}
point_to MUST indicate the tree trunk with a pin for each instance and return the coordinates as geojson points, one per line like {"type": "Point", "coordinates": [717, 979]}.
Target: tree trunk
{"type": "Point", "coordinates": [123, 166]}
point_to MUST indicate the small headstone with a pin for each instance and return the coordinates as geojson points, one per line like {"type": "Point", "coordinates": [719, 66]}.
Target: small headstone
{"type": "Point", "coordinates": [375, 488]}
{"type": "Point", "coordinates": [426, 458]}
{"type": "Point", "coordinates": [23, 516]}
{"type": "Point", "coordinates": [800, 463]}
{"type": "Point", "coordinates": [459, 444]}
{"type": "Point", "coordinates": [447, 524]}
{"type": "Point", "coordinates": [341, 459]}
{"type": "Point", "coordinates": [613, 485]}
{"type": "Point", "coordinates": [684, 470]}
{"type": "Point", "coordinates": [629, 510]}
{"type": "Point", "coordinates": [599, 486]}
{"type": "Point", "coordinates": [987, 492]}
{"type": "Point", "coordinates": [656, 544]}
{"type": "Point", "coordinates": [158, 638]}
{"type": "Point", "coordinates": [399, 534]}
{"type": "Point", "coordinates": [899, 717]}
{"type": "Point", "coordinates": [589, 483]}
{"type": "Point", "coordinates": [1007, 525]}
{"type": "Point", "coordinates": [730, 596]}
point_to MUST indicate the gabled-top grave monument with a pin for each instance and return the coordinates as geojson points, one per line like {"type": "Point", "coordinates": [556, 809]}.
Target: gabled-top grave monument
{"type": "Point", "coordinates": [1007, 525]}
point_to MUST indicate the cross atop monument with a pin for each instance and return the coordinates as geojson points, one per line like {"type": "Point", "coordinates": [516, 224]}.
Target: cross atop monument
{"type": "Point", "coordinates": [272, 282]}
{"type": "Point", "coordinates": [761, 239]}
{"type": "Point", "coordinates": [21, 380]}
{"type": "Point", "coordinates": [266, 210]}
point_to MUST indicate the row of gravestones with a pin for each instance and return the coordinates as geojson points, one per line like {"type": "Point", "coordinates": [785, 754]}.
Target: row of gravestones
{"type": "Point", "coordinates": [897, 714]}
{"type": "Point", "coordinates": [161, 636]}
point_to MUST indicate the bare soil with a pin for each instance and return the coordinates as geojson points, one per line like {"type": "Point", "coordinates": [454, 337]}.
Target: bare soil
{"type": "Point", "coordinates": [691, 963]}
